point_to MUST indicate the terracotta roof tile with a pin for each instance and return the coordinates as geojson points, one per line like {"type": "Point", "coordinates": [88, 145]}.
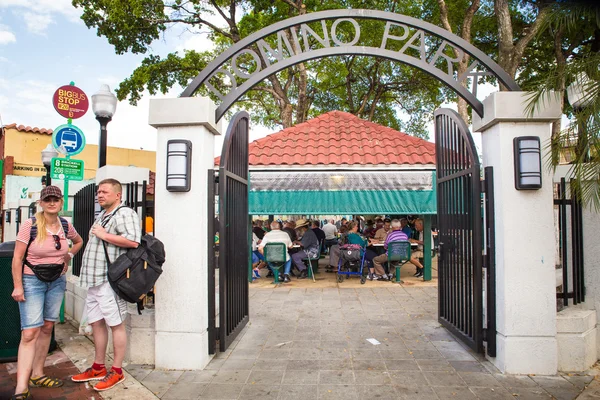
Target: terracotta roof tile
{"type": "Point", "coordinates": [340, 138]}
{"type": "Point", "coordinates": [23, 128]}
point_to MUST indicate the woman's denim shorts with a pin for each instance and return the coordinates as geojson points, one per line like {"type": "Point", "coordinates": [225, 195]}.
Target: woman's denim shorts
{"type": "Point", "coordinates": [42, 301]}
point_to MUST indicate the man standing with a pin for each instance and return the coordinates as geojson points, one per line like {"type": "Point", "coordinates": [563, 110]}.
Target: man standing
{"type": "Point", "coordinates": [330, 231]}
{"type": "Point", "coordinates": [276, 235]}
{"type": "Point", "coordinates": [119, 228]}
{"type": "Point", "coordinates": [396, 235]}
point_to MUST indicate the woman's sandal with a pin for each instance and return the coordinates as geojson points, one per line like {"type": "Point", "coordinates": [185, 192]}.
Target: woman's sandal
{"type": "Point", "coordinates": [22, 396]}
{"type": "Point", "coordinates": [44, 381]}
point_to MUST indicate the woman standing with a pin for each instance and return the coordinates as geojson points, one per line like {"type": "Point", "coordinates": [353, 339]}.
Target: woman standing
{"type": "Point", "coordinates": [40, 261]}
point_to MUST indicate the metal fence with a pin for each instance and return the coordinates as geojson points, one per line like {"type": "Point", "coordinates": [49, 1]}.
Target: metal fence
{"type": "Point", "coordinates": [570, 243]}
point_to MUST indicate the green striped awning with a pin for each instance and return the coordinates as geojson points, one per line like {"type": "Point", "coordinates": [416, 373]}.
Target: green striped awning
{"type": "Point", "coordinates": [342, 192]}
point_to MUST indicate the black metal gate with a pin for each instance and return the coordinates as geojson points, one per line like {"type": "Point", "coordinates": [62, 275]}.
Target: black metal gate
{"type": "Point", "coordinates": [570, 243]}
{"type": "Point", "coordinates": [233, 231]}
{"type": "Point", "coordinates": [84, 214]}
{"type": "Point", "coordinates": [460, 229]}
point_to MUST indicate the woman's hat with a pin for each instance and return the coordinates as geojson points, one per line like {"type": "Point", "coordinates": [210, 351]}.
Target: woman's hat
{"type": "Point", "coordinates": [50, 191]}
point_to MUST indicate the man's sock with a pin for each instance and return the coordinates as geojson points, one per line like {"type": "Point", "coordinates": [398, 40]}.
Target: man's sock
{"type": "Point", "coordinates": [118, 370]}
{"type": "Point", "coordinates": [97, 366]}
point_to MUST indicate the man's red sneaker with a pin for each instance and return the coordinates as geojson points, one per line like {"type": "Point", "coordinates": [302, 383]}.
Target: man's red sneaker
{"type": "Point", "coordinates": [89, 374]}
{"type": "Point", "coordinates": [113, 378]}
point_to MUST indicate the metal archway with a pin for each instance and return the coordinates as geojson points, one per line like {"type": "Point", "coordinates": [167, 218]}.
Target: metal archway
{"type": "Point", "coordinates": [414, 31]}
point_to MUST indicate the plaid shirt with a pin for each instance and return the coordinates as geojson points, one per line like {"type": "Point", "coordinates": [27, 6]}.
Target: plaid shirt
{"type": "Point", "coordinates": [123, 222]}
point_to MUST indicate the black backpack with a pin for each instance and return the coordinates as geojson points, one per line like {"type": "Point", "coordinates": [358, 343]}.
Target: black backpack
{"type": "Point", "coordinates": [133, 274]}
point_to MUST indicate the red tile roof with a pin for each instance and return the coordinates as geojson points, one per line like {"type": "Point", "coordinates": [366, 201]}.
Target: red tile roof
{"type": "Point", "coordinates": [340, 138]}
{"type": "Point", "coordinates": [23, 128]}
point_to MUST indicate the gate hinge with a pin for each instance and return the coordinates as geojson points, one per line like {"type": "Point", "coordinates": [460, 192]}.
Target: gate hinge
{"type": "Point", "coordinates": [485, 334]}
{"type": "Point", "coordinates": [483, 186]}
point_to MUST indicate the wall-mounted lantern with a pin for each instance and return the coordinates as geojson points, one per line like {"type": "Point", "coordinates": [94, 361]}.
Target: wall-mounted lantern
{"type": "Point", "coordinates": [179, 165]}
{"type": "Point", "coordinates": [528, 163]}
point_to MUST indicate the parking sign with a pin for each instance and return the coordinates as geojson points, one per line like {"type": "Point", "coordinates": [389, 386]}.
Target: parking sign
{"type": "Point", "coordinates": [68, 140]}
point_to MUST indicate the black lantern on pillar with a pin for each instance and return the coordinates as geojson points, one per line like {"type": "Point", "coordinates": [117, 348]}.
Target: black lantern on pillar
{"type": "Point", "coordinates": [104, 104]}
{"type": "Point", "coordinates": [179, 165]}
{"type": "Point", "coordinates": [528, 162]}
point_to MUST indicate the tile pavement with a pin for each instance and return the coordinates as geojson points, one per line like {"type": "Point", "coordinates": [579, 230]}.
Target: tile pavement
{"type": "Point", "coordinates": [304, 343]}
{"type": "Point", "coordinates": [58, 365]}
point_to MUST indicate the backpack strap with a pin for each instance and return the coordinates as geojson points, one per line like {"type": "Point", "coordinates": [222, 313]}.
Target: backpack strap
{"type": "Point", "coordinates": [104, 223]}
{"type": "Point", "coordinates": [65, 225]}
{"type": "Point", "coordinates": [32, 236]}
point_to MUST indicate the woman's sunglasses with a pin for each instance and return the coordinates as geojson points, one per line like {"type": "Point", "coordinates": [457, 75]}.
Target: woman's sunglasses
{"type": "Point", "coordinates": [57, 245]}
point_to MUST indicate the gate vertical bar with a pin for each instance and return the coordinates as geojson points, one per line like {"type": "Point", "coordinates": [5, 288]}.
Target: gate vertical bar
{"type": "Point", "coordinates": [490, 261]}
{"type": "Point", "coordinates": [563, 239]}
{"type": "Point", "coordinates": [211, 246]}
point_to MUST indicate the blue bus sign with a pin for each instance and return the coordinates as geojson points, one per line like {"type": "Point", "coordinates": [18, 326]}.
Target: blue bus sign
{"type": "Point", "coordinates": [68, 140]}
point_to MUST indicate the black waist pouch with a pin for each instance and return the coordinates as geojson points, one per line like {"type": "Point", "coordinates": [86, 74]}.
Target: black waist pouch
{"type": "Point", "coordinates": [46, 272]}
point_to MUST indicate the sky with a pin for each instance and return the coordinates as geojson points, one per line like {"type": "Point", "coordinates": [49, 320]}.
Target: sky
{"type": "Point", "coordinates": [45, 45]}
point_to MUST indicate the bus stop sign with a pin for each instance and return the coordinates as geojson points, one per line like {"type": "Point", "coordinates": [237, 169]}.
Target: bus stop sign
{"type": "Point", "coordinates": [68, 140]}
{"type": "Point", "coordinates": [63, 168]}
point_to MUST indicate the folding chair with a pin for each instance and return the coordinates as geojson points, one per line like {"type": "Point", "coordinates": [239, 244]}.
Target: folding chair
{"type": "Point", "coordinates": [398, 254]}
{"type": "Point", "coordinates": [275, 256]}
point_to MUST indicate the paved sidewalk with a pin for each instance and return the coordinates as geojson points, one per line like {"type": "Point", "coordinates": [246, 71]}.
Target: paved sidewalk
{"type": "Point", "coordinates": [311, 344]}
{"type": "Point", "coordinates": [58, 365]}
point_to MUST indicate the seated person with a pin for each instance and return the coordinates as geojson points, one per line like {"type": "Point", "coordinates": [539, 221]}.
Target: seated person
{"type": "Point", "coordinates": [378, 226]}
{"type": "Point", "coordinates": [369, 228]}
{"type": "Point", "coordinates": [405, 227]}
{"type": "Point", "coordinates": [316, 228]}
{"type": "Point", "coordinates": [352, 238]}
{"type": "Point", "coordinates": [276, 235]}
{"type": "Point", "coordinates": [395, 235]}
{"type": "Point", "coordinates": [416, 255]}
{"type": "Point", "coordinates": [310, 246]}
{"type": "Point", "coordinates": [334, 251]}
{"type": "Point", "coordinates": [258, 260]}
{"type": "Point", "coordinates": [381, 234]}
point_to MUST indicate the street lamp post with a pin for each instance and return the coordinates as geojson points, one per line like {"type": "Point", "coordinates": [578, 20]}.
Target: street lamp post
{"type": "Point", "coordinates": [47, 155]}
{"type": "Point", "coordinates": [104, 104]}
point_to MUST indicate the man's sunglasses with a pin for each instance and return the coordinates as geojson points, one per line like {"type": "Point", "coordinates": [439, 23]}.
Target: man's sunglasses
{"type": "Point", "coordinates": [57, 244]}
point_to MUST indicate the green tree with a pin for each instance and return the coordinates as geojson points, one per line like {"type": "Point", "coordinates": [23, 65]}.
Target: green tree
{"type": "Point", "coordinates": [371, 88]}
{"type": "Point", "coordinates": [575, 31]}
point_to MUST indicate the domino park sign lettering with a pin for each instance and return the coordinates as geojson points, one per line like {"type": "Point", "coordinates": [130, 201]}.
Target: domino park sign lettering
{"type": "Point", "coordinates": [339, 32]}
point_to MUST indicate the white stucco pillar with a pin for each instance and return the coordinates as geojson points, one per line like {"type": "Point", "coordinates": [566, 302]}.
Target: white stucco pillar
{"type": "Point", "coordinates": [525, 245]}
{"type": "Point", "coordinates": [181, 217]}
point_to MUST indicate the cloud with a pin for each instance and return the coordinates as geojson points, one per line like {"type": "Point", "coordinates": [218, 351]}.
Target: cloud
{"type": "Point", "coordinates": [6, 36]}
{"type": "Point", "coordinates": [37, 23]}
{"type": "Point", "coordinates": [39, 14]}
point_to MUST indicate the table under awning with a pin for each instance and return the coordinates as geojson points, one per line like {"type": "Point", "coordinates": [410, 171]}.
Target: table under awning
{"type": "Point", "coordinates": [342, 192]}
